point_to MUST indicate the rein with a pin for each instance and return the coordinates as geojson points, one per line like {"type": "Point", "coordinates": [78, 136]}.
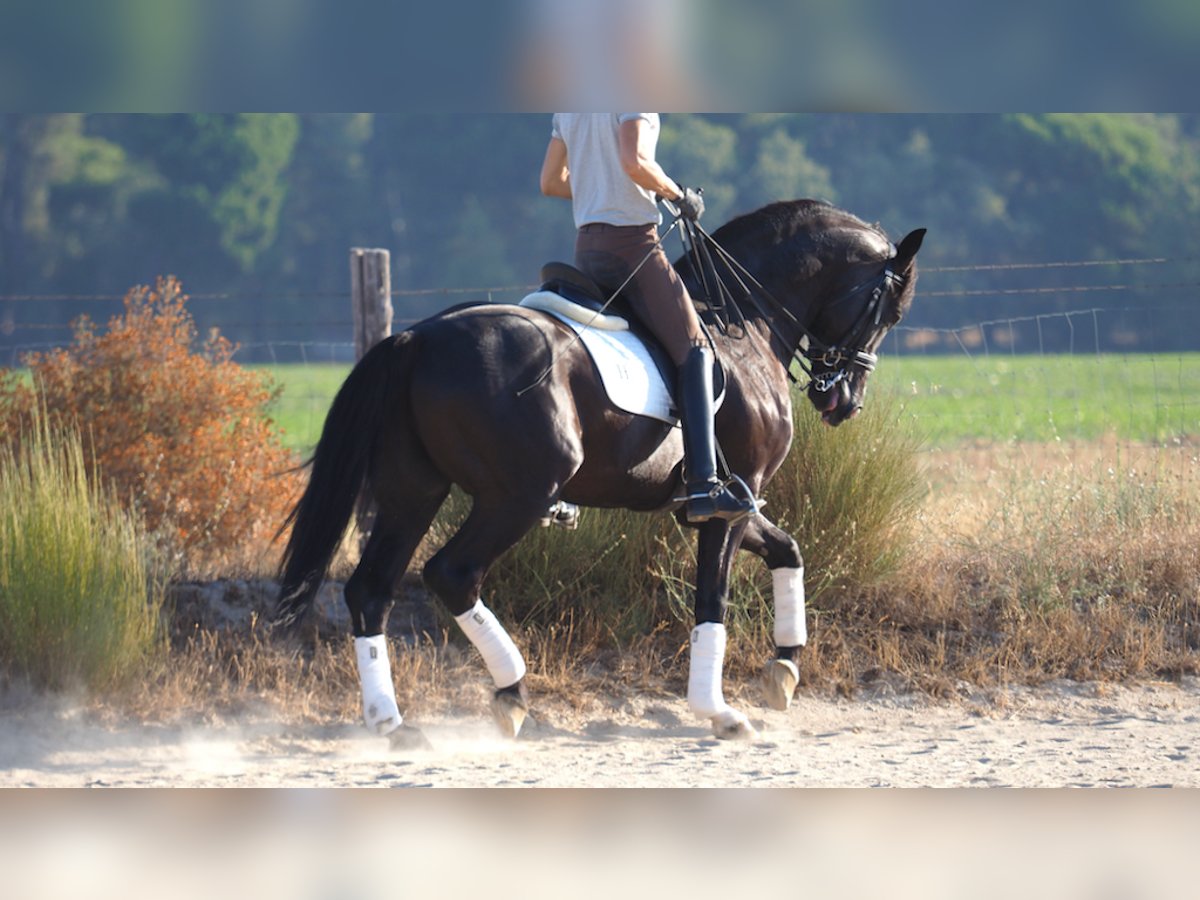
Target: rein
{"type": "Point", "coordinates": [839, 357]}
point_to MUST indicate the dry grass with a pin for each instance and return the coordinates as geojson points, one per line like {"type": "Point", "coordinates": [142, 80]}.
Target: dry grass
{"type": "Point", "coordinates": [217, 676]}
{"type": "Point", "coordinates": [1030, 563]}
{"type": "Point", "coordinates": [1036, 563]}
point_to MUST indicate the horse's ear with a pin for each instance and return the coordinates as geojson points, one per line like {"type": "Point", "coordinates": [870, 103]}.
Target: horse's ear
{"type": "Point", "coordinates": [908, 248]}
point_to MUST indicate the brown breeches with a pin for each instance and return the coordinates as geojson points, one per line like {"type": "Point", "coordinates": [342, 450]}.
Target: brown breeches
{"type": "Point", "coordinates": [609, 253]}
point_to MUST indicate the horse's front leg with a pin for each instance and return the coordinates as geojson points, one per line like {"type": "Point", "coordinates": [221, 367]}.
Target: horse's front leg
{"type": "Point", "coordinates": [782, 556]}
{"type": "Point", "coordinates": [714, 557]}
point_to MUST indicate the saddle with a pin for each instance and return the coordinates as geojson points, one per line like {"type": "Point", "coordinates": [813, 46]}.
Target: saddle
{"type": "Point", "coordinates": [578, 287]}
{"type": "Point", "coordinates": [581, 291]}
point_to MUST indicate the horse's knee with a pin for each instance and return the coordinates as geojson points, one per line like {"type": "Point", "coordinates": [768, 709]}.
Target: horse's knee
{"type": "Point", "coordinates": [368, 606]}
{"type": "Point", "coordinates": [785, 555]}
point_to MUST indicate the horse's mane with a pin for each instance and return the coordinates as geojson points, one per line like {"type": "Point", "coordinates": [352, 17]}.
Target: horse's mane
{"type": "Point", "coordinates": [812, 223]}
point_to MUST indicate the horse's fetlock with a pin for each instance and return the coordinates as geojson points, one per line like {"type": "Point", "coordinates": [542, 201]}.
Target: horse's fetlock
{"type": "Point", "coordinates": [368, 609]}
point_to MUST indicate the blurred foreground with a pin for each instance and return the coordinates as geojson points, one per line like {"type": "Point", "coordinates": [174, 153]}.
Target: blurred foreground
{"type": "Point", "coordinates": [305, 844]}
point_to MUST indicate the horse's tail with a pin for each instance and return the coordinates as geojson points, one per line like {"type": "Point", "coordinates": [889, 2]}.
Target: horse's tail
{"type": "Point", "coordinates": [339, 473]}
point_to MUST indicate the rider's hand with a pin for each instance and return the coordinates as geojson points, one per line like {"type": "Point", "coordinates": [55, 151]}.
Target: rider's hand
{"type": "Point", "coordinates": [691, 204]}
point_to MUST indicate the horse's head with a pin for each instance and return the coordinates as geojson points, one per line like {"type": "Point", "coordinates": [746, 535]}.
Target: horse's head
{"type": "Point", "coordinates": [830, 286]}
{"type": "Point", "coordinates": [862, 304]}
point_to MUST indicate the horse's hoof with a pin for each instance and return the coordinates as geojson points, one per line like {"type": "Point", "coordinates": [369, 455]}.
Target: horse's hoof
{"type": "Point", "coordinates": [509, 709]}
{"type": "Point", "coordinates": [731, 725]}
{"type": "Point", "coordinates": [779, 683]}
{"type": "Point", "coordinates": [408, 738]}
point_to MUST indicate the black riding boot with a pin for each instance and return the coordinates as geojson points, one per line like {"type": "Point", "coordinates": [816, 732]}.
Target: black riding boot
{"type": "Point", "coordinates": [707, 498]}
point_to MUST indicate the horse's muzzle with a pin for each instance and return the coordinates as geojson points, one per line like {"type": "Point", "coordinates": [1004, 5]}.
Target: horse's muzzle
{"type": "Point", "coordinates": [837, 404]}
{"type": "Point", "coordinates": [840, 414]}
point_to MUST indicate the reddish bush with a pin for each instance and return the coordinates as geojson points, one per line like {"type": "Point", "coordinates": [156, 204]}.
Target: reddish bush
{"type": "Point", "coordinates": [181, 430]}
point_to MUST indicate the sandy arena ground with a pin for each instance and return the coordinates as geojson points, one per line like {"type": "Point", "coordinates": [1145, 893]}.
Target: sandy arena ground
{"type": "Point", "coordinates": [1062, 735]}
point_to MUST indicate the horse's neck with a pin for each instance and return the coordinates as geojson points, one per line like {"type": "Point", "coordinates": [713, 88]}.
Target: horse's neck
{"type": "Point", "coordinates": [753, 352]}
{"type": "Point", "coordinates": [759, 396]}
{"type": "Point", "coordinates": [774, 337]}
{"type": "Point", "coordinates": [781, 333]}
{"type": "Point", "coordinates": [778, 332]}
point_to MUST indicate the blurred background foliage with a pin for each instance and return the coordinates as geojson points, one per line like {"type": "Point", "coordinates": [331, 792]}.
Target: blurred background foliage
{"type": "Point", "coordinates": [266, 206]}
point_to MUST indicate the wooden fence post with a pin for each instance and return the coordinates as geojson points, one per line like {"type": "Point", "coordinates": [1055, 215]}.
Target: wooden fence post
{"type": "Point", "coordinates": [371, 296]}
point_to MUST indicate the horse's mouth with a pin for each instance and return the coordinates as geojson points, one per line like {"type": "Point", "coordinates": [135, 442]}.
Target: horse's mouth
{"type": "Point", "coordinates": [825, 401]}
{"type": "Point", "coordinates": [836, 405]}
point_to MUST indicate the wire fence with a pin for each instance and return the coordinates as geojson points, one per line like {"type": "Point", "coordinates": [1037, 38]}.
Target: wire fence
{"type": "Point", "coordinates": [1081, 351]}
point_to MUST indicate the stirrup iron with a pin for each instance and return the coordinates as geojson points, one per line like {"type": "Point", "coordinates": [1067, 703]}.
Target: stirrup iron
{"type": "Point", "coordinates": [736, 489]}
{"type": "Point", "coordinates": [563, 514]}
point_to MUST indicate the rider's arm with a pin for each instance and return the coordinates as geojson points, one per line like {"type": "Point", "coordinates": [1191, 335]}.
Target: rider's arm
{"type": "Point", "coordinates": [637, 159]}
{"type": "Point", "coordinates": [556, 177]}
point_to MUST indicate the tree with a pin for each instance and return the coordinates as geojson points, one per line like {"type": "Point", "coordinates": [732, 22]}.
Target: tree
{"type": "Point", "coordinates": [243, 203]}
{"type": "Point", "coordinates": [779, 167]}
{"type": "Point", "coordinates": [180, 430]}
{"type": "Point", "coordinates": [29, 158]}
{"type": "Point", "coordinates": [223, 182]}
{"type": "Point", "coordinates": [697, 152]}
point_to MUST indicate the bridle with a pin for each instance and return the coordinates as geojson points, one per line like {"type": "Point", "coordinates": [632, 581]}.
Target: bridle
{"type": "Point", "coordinates": [838, 359]}
{"type": "Point", "coordinates": [848, 353]}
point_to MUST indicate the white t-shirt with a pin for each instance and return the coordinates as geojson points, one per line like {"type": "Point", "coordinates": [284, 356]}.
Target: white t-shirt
{"type": "Point", "coordinates": [600, 189]}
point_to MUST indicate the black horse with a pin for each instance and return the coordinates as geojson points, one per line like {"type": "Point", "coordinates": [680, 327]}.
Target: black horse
{"type": "Point", "coordinates": [442, 403]}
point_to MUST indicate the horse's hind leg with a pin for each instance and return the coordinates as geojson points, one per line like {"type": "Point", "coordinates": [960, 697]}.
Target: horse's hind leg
{"type": "Point", "coordinates": [782, 556]}
{"type": "Point", "coordinates": [456, 573]}
{"type": "Point", "coordinates": [369, 597]}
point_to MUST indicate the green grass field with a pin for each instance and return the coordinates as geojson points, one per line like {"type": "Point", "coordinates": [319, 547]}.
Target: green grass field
{"type": "Point", "coordinates": [1155, 399]}
{"type": "Point", "coordinates": [954, 399]}
{"type": "Point", "coordinates": [308, 390]}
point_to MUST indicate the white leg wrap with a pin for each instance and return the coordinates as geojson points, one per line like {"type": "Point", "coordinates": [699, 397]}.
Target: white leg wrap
{"type": "Point", "coordinates": [380, 711]}
{"type": "Point", "coordinates": [790, 628]}
{"type": "Point", "coordinates": [499, 653]}
{"type": "Point", "coordinates": [705, 697]}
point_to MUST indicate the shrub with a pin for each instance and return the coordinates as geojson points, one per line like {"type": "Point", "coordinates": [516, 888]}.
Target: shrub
{"type": "Point", "coordinates": [177, 427]}
{"type": "Point", "coordinates": [849, 495]}
{"type": "Point", "coordinates": [78, 603]}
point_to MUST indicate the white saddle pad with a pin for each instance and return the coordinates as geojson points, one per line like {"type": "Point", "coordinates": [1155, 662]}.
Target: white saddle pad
{"type": "Point", "coordinates": [629, 375]}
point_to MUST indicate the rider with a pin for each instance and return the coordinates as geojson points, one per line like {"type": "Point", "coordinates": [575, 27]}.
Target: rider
{"type": "Point", "coordinates": [604, 163]}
